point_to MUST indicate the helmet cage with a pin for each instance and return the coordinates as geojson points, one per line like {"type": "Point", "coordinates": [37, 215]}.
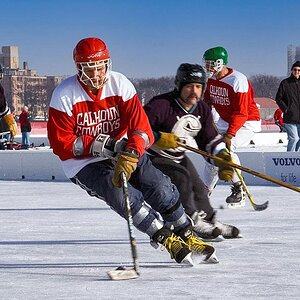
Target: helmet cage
{"type": "Point", "coordinates": [97, 81]}
{"type": "Point", "coordinates": [213, 66]}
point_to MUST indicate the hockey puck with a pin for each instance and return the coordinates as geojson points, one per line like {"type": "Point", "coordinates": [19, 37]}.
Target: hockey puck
{"type": "Point", "coordinates": [120, 268]}
{"type": "Point", "coordinates": [221, 207]}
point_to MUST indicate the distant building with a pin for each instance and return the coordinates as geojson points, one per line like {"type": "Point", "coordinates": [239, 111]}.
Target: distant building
{"type": "Point", "coordinates": [24, 86]}
{"type": "Point", "coordinates": [293, 54]}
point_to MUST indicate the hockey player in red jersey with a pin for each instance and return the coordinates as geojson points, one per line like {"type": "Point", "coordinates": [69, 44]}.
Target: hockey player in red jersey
{"type": "Point", "coordinates": [231, 94]}
{"type": "Point", "coordinates": [90, 115]}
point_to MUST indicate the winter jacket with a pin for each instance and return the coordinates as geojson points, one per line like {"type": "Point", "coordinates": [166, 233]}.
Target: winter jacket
{"type": "Point", "coordinates": [288, 99]}
{"type": "Point", "coordinates": [25, 122]}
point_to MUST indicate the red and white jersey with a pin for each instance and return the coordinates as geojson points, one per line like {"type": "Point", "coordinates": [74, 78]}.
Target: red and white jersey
{"type": "Point", "coordinates": [116, 111]}
{"type": "Point", "coordinates": [233, 98]}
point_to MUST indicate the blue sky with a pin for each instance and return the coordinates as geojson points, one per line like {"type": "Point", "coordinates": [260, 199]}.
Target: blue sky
{"type": "Point", "coordinates": [151, 38]}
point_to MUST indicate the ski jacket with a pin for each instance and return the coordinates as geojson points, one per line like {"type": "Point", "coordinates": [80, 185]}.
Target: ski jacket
{"type": "Point", "coordinates": [288, 99]}
{"type": "Point", "coordinates": [116, 111]}
{"type": "Point", "coordinates": [233, 98]}
{"type": "Point", "coordinates": [24, 120]}
{"type": "Point", "coordinates": [195, 126]}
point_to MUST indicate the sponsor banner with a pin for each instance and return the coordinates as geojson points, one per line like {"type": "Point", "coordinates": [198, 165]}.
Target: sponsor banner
{"type": "Point", "coordinates": [284, 166]}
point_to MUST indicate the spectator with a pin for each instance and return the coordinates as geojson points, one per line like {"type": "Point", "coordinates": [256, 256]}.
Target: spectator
{"type": "Point", "coordinates": [25, 127]}
{"type": "Point", "coordinates": [288, 99]}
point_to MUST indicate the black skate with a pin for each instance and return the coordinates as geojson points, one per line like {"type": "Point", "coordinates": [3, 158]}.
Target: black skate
{"type": "Point", "coordinates": [227, 231]}
{"type": "Point", "coordinates": [197, 246]}
{"type": "Point", "coordinates": [206, 230]}
{"type": "Point", "coordinates": [237, 197]}
{"type": "Point", "coordinates": [177, 248]}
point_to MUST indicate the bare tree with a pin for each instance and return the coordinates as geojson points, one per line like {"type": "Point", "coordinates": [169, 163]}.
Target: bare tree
{"type": "Point", "coordinates": [265, 85]}
{"type": "Point", "coordinates": [148, 88]}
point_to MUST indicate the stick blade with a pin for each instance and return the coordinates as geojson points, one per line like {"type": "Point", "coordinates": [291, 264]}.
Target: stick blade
{"type": "Point", "coordinates": [260, 207]}
{"type": "Point", "coordinates": [122, 274]}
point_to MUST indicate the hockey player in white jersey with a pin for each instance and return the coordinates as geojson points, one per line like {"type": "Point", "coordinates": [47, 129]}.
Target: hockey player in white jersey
{"type": "Point", "coordinates": [89, 115]}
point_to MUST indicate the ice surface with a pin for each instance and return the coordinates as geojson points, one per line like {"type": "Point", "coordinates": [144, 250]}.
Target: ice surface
{"type": "Point", "coordinates": [58, 243]}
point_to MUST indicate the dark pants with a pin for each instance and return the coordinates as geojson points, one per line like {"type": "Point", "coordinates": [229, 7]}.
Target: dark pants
{"type": "Point", "coordinates": [193, 193]}
{"type": "Point", "coordinates": [147, 184]}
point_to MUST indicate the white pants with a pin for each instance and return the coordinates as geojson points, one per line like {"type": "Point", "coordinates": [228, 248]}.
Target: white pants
{"type": "Point", "coordinates": [242, 138]}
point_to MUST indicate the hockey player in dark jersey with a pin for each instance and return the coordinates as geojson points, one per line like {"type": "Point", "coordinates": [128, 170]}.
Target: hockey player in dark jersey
{"type": "Point", "coordinates": [180, 115]}
{"type": "Point", "coordinates": [89, 115]}
{"type": "Point", "coordinates": [5, 112]}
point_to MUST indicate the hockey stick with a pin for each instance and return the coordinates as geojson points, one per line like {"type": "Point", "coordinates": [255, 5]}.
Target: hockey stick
{"type": "Point", "coordinates": [247, 170]}
{"type": "Point", "coordinates": [257, 207]}
{"type": "Point", "coordinates": [122, 273]}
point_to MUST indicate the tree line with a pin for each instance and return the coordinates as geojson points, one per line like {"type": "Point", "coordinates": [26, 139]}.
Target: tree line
{"type": "Point", "coordinates": [263, 85]}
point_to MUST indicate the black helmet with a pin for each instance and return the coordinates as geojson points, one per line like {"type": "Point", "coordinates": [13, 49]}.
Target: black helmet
{"type": "Point", "coordinates": [188, 73]}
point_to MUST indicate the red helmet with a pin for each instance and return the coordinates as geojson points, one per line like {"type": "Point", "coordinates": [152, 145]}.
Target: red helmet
{"type": "Point", "coordinates": [92, 54]}
{"type": "Point", "coordinates": [90, 49]}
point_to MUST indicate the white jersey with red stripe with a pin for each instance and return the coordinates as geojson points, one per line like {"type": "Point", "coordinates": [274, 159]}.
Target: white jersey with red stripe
{"type": "Point", "coordinates": [75, 112]}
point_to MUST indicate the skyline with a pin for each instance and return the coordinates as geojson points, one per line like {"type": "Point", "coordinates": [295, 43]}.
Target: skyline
{"type": "Point", "coordinates": [151, 39]}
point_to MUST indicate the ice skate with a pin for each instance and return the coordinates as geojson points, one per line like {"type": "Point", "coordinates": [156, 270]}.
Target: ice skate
{"type": "Point", "coordinates": [177, 248]}
{"type": "Point", "coordinates": [227, 231]}
{"type": "Point", "coordinates": [206, 230]}
{"type": "Point", "coordinates": [197, 246]}
{"type": "Point", "coordinates": [237, 197]}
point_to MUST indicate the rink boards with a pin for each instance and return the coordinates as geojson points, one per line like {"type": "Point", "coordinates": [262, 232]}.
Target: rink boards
{"type": "Point", "coordinates": [42, 164]}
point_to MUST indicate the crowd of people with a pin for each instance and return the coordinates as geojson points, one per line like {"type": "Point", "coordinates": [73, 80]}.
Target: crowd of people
{"type": "Point", "coordinates": [99, 130]}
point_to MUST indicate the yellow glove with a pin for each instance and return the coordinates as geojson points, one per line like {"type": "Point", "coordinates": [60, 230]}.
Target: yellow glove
{"type": "Point", "coordinates": [227, 140]}
{"type": "Point", "coordinates": [10, 121]}
{"type": "Point", "coordinates": [225, 171]}
{"type": "Point", "coordinates": [126, 163]}
{"type": "Point", "coordinates": [167, 141]}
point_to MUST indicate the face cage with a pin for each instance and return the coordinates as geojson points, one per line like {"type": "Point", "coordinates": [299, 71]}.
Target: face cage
{"type": "Point", "coordinates": [213, 66]}
{"type": "Point", "coordinates": [96, 81]}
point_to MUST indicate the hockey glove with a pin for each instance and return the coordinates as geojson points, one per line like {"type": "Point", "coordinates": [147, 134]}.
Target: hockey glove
{"type": "Point", "coordinates": [105, 146]}
{"type": "Point", "coordinates": [167, 141]}
{"type": "Point", "coordinates": [225, 171]}
{"type": "Point", "coordinates": [10, 121]}
{"type": "Point", "coordinates": [227, 140]}
{"type": "Point", "coordinates": [127, 163]}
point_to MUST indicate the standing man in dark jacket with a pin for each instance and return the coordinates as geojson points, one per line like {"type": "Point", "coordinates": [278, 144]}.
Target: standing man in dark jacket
{"type": "Point", "coordinates": [288, 99]}
{"type": "Point", "coordinates": [25, 127]}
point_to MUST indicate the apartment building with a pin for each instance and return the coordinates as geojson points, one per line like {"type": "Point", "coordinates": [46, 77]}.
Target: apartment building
{"type": "Point", "coordinates": [23, 86]}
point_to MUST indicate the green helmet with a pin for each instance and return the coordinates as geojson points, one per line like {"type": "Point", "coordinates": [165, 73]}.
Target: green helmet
{"type": "Point", "coordinates": [214, 59]}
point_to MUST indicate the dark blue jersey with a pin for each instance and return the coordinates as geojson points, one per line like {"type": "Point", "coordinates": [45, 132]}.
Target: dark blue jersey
{"type": "Point", "coordinates": [3, 104]}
